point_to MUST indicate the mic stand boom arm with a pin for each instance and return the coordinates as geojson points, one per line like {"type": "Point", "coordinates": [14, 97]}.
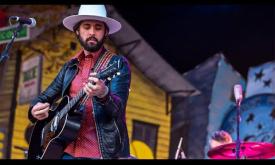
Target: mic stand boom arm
{"type": "Point", "coordinates": [5, 54]}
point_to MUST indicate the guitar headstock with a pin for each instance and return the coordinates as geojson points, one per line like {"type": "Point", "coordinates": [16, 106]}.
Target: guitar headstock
{"type": "Point", "coordinates": [110, 72]}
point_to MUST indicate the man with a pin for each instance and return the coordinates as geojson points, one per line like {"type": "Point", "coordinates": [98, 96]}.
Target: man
{"type": "Point", "coordinates": [220, 138]}
{"type": "Point", "coordinates": [103, 132]}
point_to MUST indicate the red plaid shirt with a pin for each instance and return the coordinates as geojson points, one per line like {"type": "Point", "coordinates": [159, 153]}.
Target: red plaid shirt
{"type": "Point", "coordinates": [86, 144]}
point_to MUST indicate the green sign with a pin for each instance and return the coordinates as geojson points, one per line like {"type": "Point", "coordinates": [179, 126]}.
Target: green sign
{"type": "Point", "coordinates": [6, 34]}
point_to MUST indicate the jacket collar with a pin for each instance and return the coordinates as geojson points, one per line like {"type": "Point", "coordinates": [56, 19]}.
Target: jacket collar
{"type": "Point", "coordinates": [75, 60]}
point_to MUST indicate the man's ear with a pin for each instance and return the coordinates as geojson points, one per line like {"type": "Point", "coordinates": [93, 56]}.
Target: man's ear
{"type": "Point", "coordinates": [106, 32]}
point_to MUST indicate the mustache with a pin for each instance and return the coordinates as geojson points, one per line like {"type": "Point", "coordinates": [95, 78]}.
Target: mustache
{"type": "Point", "coordinates": [91, 38]}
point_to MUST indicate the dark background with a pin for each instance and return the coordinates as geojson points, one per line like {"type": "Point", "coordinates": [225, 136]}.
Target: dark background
{"type": "Point", "coordinates": [186, 34]}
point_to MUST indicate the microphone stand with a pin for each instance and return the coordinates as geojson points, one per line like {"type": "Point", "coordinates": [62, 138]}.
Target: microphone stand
{"type": "Point", "coordinates": [238, 141]}
{"type": "Point", "coordinates": [179, 150]}
{"type": "Point", "coordinates": [5, 54]}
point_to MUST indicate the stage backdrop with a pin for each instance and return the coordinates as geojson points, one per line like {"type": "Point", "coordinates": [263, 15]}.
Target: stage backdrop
{"type": "Point", "coordinates": [196, 118]}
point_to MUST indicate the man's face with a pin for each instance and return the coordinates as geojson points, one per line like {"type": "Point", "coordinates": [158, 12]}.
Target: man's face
{"type": "Point", "coordinates": [91, 35]}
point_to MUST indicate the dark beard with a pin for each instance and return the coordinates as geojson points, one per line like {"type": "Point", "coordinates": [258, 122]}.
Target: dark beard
{"type": "Point", "coordinates": [90, 47]}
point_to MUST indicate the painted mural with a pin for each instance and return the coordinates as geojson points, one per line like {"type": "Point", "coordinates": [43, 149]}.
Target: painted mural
{"type": "Point", "coordinates": [257, 119]}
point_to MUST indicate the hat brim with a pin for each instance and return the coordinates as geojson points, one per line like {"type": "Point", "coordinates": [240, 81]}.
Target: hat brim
{"type": "Point", "coordinates": [70, 21]}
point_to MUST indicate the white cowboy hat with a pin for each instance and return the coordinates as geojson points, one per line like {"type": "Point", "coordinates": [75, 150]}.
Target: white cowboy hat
{"type": "Point", "coordinates": [92, 12]}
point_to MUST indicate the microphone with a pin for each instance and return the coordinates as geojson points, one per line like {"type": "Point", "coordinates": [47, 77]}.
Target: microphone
{"type": "Point", "coordinates": [238, 93]}
{"type": "Point", "coordinates": [31, 22]}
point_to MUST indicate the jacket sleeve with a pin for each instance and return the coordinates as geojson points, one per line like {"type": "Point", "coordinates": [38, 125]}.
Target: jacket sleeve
{"type": "Point", "coordinates": [116, 100]}
{"type": "Point", "coordinates": [52, 93]}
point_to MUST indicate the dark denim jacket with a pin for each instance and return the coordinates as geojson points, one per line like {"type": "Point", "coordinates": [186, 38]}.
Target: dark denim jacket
{"type": "Point", "coordinates": [109, 115]}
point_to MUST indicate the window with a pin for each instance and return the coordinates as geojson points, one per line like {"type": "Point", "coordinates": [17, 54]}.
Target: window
{"type": "Point", "coordinates": [146, 133]}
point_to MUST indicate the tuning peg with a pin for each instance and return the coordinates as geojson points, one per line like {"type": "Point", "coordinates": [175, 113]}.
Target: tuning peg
{"type": "Point", "coordinates": [118, 73]}
{"type": "Point", "coordinates": [114, 76]}
{"type": "Point", "coordinates": [109, 78]}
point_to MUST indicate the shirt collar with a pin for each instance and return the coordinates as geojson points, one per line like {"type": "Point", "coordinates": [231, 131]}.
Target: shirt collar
{"type": "Point", "coordinates": [80, 55]}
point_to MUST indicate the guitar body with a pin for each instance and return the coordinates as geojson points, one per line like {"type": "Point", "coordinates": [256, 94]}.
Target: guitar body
{"type": "Point", "coordinates": [49, 139]}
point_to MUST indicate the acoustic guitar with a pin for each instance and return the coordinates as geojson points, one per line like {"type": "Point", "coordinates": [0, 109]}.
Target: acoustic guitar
{"type": "Point", "coordinates": [50, 136]}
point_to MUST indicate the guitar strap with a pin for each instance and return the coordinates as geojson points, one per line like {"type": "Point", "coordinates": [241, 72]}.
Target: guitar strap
{"type": "Point", "coordinates": [103, 61]}
{"type": "Point", "coordinates": [101, 64]}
